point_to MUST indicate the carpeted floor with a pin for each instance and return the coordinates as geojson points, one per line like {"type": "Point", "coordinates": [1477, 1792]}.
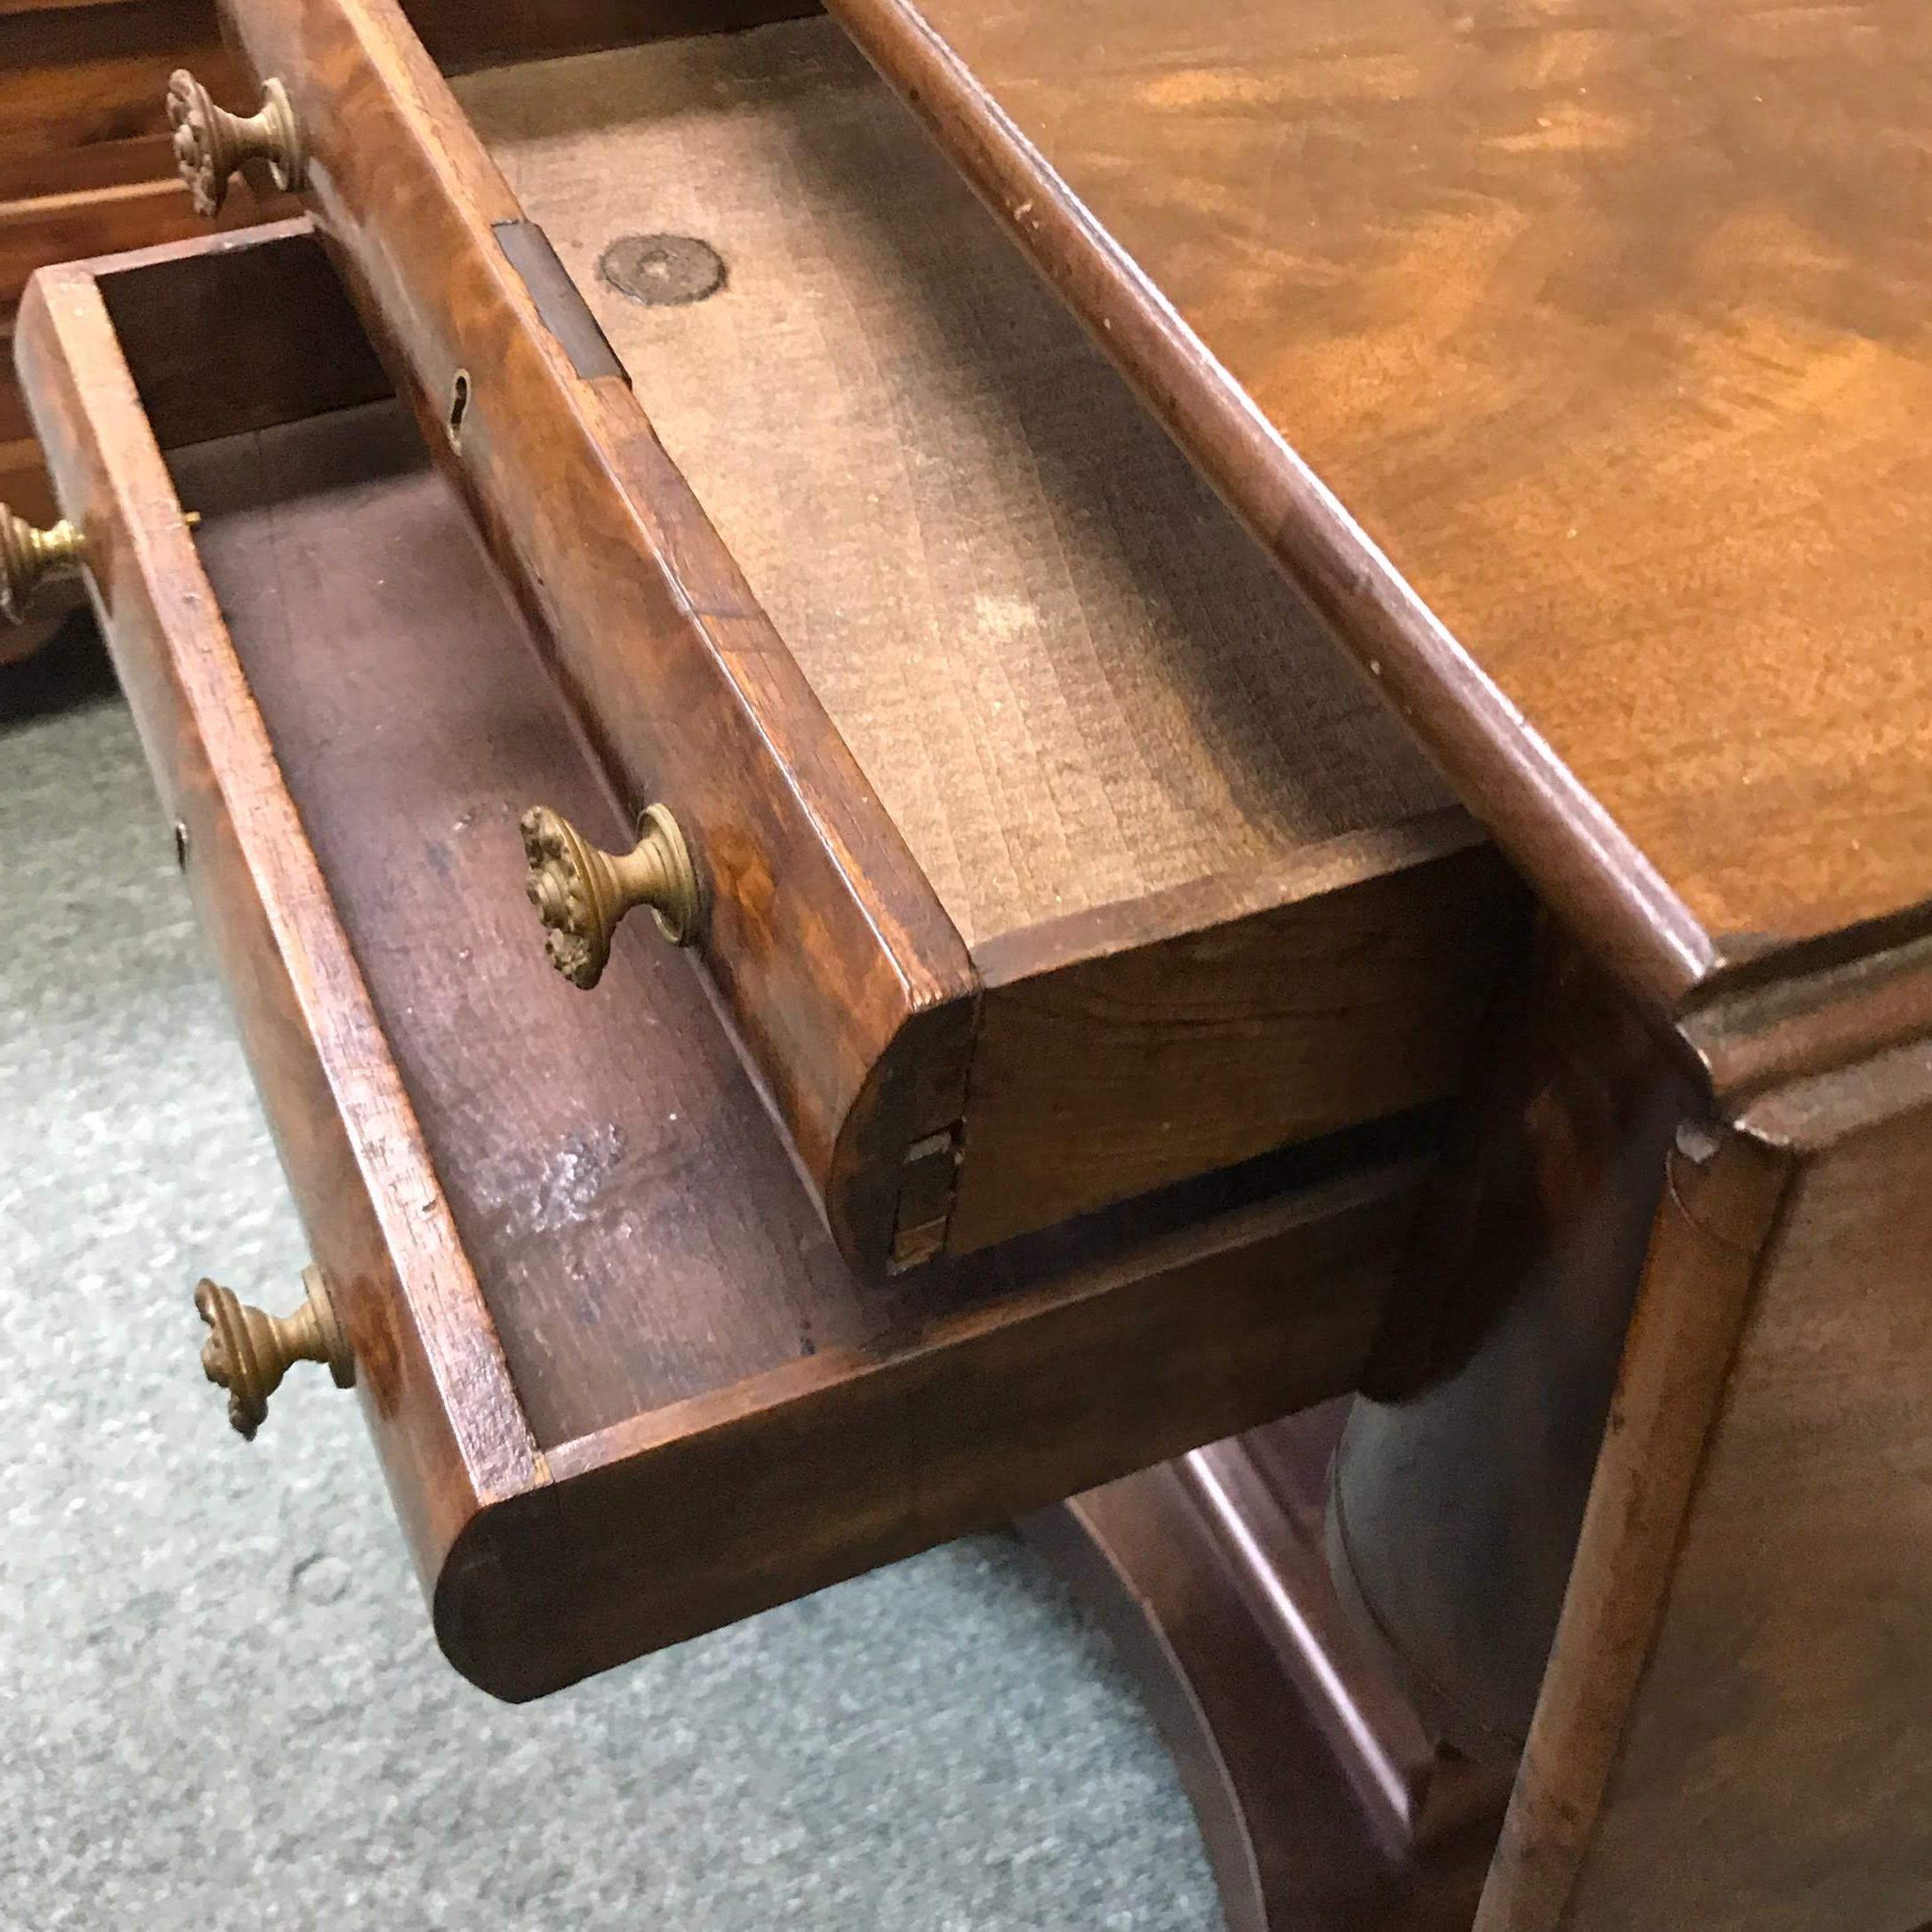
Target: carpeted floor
{"type": "Point", "coordinates": [222, 1704]}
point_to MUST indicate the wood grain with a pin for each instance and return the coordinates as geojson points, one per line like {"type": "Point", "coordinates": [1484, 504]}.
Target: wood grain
{"type": "Point", "coordinates": [609, 1169]}
{"type": "Point", "coordinates": [81, 84]}
{"type": "Point", "coordinates": [85, 167]}
{"type": "Point", "coordinates": [1143, 647]}
{"type": "Point", "coordinates": [842, 977]}
{"type": "Point", "coordinates": [433, 1380]}
{"type": "Point", "coordinates": [610, 1172]}
{"type": "Point", "coordinates": [960, 1415]}
{"type": "Point", "coordinates": [1770, 1767]}
{"type": "Point", "coordinates": [1570, 358]}
{"type": "Point", "coordinates": [1129, 1047]}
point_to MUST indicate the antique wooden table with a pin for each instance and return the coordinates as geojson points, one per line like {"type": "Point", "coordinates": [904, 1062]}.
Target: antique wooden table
{"type": "Point", "coordinates": [1109, 1032]}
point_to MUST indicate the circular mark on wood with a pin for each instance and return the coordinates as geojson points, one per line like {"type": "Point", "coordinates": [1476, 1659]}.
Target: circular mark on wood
{"type": "Point", "coordinates": [662, 270]}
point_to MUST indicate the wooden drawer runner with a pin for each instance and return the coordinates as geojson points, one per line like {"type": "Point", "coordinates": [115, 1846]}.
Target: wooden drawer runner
{"type": "Point", "coordinates": [1055, 855]}
{"type": "Point", "coordinates": [624, 1386]}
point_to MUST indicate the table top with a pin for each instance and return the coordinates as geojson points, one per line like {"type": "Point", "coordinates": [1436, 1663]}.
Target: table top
{"type": "Point", "coordinates": [1575, 357]}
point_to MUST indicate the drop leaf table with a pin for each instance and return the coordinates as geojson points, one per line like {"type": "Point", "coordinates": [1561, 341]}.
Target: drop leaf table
{"type": "Point", "coordinates": [1432, 1154]}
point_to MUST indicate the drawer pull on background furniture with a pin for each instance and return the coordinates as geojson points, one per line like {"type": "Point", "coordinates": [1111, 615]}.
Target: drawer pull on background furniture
{"type": "Point", "coordinates": [210, 143]}
{"type": "Point", "coordinates": [582, 892]}
{"type": "Point", "coordinates": [248, 1350]}
{"type": "Point", "coordinates": [28, 554]}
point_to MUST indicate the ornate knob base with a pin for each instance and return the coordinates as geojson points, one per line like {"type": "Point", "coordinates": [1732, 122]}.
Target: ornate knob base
{"type": "Point", "coordinates": [210, 143]}
{"type": "Point", "coordinates": [582, 892]}
{"type": "Point", "coordinates": [248, 1351]}
{"type": "Point", "coordinates": [28, 554]}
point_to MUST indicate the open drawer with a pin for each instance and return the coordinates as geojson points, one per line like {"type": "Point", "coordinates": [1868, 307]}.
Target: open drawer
{"type": "Point", "coordinates": [624, 1385]}
{"type": "Point", "coordinates": [1050, 854]}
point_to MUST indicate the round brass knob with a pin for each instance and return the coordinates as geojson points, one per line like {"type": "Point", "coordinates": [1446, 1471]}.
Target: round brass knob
{"type": "Point", "coordinates": [248, 1351]}
{"type": "Point", "coordinates": [582, 892]}
{"type": "Point", "coordinates": [28, 554]}
{"type": "Point", "coordinates": [210, 143]}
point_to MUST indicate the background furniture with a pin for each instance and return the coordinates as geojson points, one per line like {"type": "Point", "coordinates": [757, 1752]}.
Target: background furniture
{"type": "Point", "coordinates": [85, 167]}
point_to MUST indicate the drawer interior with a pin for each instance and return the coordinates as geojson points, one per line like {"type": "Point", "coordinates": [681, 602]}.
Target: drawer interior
{"type": "Point", "coordinates": [635, 1227]}
{"type": "Point", "coordinates": [410, 715]}
{"type": "Point", "coordinates": [1072, 680]}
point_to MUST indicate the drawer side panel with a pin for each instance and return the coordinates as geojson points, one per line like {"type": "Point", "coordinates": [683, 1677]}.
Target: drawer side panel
{"type": "Point", "coordinates": [832, 958]}
{"type": "Point", "coordinates": [432, 1378]}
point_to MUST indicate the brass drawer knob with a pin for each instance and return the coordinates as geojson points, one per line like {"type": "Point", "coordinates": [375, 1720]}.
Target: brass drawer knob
{"type": "Point", "coordinates": [210, 143]}
{"type": "Point", "coordinates": [248, 1351]}
{"type": "Point", "coordinates": [581, 892]}
{"type": "Point", "coordinates": [28, 554]}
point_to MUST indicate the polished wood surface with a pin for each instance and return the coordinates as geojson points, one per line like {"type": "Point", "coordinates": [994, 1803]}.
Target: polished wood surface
{"type": "Point", "coordinates": [624, 1386]}
{"type": "Point", "coordinates": [586, 1145]}
{"type": "Point", "coordinates": [1812, 1760]}
{"type": "Point", "coordinates": [1573, 357]}
{"type": "Point", "coordinates": [1729, 1732]}
{"type": "Point", "coordinates": [1734, 1718]}
{"type": "Point", "coordinates": [1217, 903]}
{"type": "Point", "coordinates": [1069, 674]}
{"type": "Point", "coordinates": [86, 166]}
{"type": "Point", "coordinates": [1570, 357]}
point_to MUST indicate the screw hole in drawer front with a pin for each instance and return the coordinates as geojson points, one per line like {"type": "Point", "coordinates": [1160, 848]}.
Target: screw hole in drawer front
{"type": "Point", "coordinates": [459, 406]}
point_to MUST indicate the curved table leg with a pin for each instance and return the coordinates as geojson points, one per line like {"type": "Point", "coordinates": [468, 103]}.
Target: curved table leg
{"type": "Point", "coordinates": [1322, 1801]}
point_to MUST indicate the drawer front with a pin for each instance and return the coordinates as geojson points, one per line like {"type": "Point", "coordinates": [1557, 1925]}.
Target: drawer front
{"type": "Point", "coordinates": [623, 1388]}
{"type": "Point", "coordinates": [846, 983]}
{"type": "Point", "coordinates": [433, 1380]}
